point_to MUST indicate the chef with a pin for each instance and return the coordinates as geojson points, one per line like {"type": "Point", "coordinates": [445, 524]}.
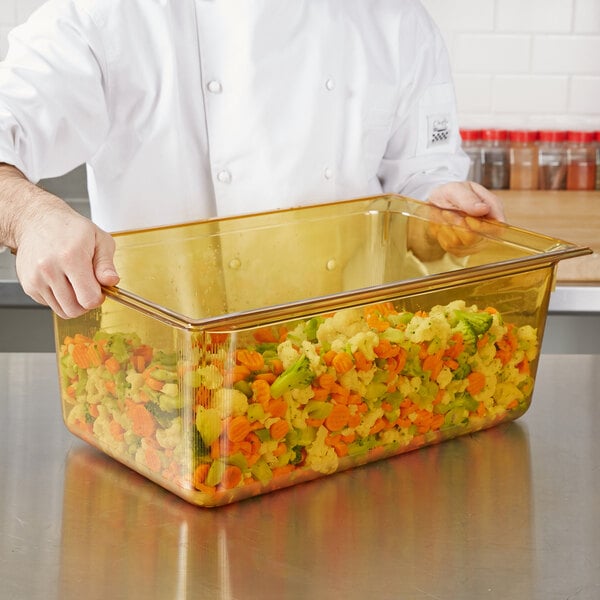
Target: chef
{"type": "Point", "coordinates": [188, 109]}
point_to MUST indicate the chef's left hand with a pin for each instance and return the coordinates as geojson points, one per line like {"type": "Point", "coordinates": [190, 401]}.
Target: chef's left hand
{"type": "Point", "coordinates": [458, 232]}
{"type": "Point", "coordinates": [468, 197]}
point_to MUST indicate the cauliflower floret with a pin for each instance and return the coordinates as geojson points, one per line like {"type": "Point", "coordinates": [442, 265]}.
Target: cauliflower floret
{"type": "Point", "coordinates": [102, 431]}
{"type": "Point", "coordinates": [425, 329]}
{"type": "Point", "coordinates": [230, 402]}
{"type": "Point", "coordinates": [400, 437]}
{"type": "Point", "coordinates": [210, 377]}
{"type": "Point", "coordinates": [352, 381]}
{"type": "Point", "coordinates": [368, 421]}
{"type": "Point", "coordinates": [365, 341]}
{"type": "Point", "coordinates": [338, 329]}
{"type": "Point", "coordinates": [171, 436]}
{"type": "Point", "coordinates": [528, 340]}
{"type": "Point", "coordinates": [287, 353]}
{"type": "Point", "coordinates": [135, 380]}
{"type": "Point", "coordinates": [445, 377]}
{"type": "Point", "coordinates": [319, 456]}
{"type": "Point", "coordinates": [300, 396]}
{"type": "Point", "coordinates": [316, 364]}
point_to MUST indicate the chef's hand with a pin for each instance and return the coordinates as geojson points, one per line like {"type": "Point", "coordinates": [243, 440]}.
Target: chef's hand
{"type": "Point", "coordinates": [458, 230]}
{"type": "Point", "coordinates": [468, 197]}
{"type": "Point", "coordinates": [62, 258]}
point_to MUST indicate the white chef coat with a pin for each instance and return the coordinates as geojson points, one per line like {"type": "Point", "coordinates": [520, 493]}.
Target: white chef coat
{"type": "Point", "coordinates": [187, 109]}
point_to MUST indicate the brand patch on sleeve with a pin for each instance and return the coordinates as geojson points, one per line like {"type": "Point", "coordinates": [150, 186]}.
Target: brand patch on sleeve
{"type": "Point", "coordinates": [438, 130]}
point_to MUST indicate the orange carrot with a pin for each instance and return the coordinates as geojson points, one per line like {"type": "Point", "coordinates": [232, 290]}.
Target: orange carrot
{"type": "Point", "coordinates": [239, 373]}
{"type": "Point", "coordinates": [265, 335]}
{"type": "Point", "coordinates": [456, 346]}
{"type": "Point", "coordinates": [152, 459]}
{"type": "Point", "coordinates": [232, 475]}
{"type": "Point", "coordinates": [80, 356]}
{"type": "Point", "coordinates": [250, 358]}
{"type": "Point", "coordinates": [433, 363]}
{"type": "Point", "coordinates": [142, 422]}
{"type": "Point", "coordinates": [277, 407]}
{"type": "Point", "coordinates": [524, 367]}
{"type": "Point", "coordinates": [279, 429]}
{"type": "Point", "coordinates": [268, 377]}
{"type": "Point", "coordinates": [338, 417]}
{"type": "Point", "coordinates": [385, 349]}
{"type": "Point", "coordinates": [116, 431]}
{"type": "Point", "coordinates": [276, 366]}
{"type": "Point", "coordinates": [476, 382]}
{"type": "Point", "coordinates": [112, 364]}
{"type": "Point", "coordinates": [238, 428]}
{"type": "Point", "coordinates": [139, 364]}
{"type": "Point", "coordinates": [261, 391]}
{"type": "Point", "coordinates": [319, 393]}
{"type": "Point", "coordinates": [326, 380]}
{"type": "Point", "coordinates": [154, 384]}
{"type": "Point", "coordinates": [354, 420]}
{"type": "Point", "coordinates": [361, 361]}
{"type": "Point", "coordinates": [329, 356]}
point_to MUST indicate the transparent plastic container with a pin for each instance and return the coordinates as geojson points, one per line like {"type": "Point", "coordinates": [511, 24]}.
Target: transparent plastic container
{"type": "Point", "coordinates": [471, 144]}
{"type": "Point", "coordinates": [581, 160]}
{"type": "Point", "coordinates": [242, 355]}
{"type": "Point", "coordinates": [495, 159]}
{"type": "Point", "coordinates": [524, 173]}
{"type": "Point", "coordinates": [552, 158]}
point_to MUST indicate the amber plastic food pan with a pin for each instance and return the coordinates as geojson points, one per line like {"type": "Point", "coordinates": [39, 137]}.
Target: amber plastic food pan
{"type": "Point", "coordinates": [242, 355]}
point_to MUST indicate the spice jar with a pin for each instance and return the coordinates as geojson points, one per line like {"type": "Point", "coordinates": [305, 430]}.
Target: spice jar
{"type": "Point", "coordinates": [523, 160]}
{"type": "Point", "coordinates": [552, 158]}
{"type": "Point", "coordinates": [581, 160]}
{"type": "Point", "coordinates": [471, 144]}
{"type": "Point", "coordinates": [495, 159]}
{"type": "Point", "coordinates": [598, 160]}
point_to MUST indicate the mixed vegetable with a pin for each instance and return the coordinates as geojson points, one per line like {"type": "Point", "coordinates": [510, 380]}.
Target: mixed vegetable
{"type": "Point", "coordinates": [298, 400]}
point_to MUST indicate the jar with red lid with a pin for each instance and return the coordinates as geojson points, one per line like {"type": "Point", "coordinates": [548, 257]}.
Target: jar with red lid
{"type": "Point", "coordinates": [552, 159]}
{"type": "Point", "coordinates": [581, 160]}
{"type": "Point", "coordinates": [523, 160]}
{"type": "Point", "coordinates": [495, 159]}
{"type": "Point", "coordinates": [471, 144]}
{"type": "Point", "coordinates": [598, 160]}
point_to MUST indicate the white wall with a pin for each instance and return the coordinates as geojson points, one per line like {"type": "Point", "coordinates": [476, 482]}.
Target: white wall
{"type": "Point", "coordinates": [516, 63]}
{"type": "Point", "coordinates": [524, 63]}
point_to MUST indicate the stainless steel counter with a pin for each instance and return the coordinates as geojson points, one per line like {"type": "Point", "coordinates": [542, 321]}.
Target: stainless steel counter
{"type": "Point", "coordinates": [512, 513]}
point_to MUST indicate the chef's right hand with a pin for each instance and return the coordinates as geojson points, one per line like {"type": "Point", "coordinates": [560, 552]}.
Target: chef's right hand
{"type": "Point", "coordinates": [62, 259]}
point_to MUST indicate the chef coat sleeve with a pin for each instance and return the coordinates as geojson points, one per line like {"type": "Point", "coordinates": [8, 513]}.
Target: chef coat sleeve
{"type": "Point", "coordinates": [424, 149]}
{"type": "Point", "coordinates": [53, 113]}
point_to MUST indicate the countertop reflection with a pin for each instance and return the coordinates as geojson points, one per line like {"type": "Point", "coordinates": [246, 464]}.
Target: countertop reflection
{"type": "Point", "coordinates": [511, 513]}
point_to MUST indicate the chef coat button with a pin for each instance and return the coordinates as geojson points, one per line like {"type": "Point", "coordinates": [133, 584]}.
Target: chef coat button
{"type": "Point", "coordinates": [224, 176]}
{"type": "Point", "coordinates": [214, 87]}
{"type": "Point", "coordinates": [330, 84]}
{"type": "Point", "coordinates": [328, 173]}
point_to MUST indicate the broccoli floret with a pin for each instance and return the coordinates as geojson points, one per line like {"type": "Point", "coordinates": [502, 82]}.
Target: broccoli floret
{"type": "Point", "coordinates": [468, 334]}
{"type": "Point", "coordinates": [297, 375]}
{"type": "Point", "coordinates": [479, 321]}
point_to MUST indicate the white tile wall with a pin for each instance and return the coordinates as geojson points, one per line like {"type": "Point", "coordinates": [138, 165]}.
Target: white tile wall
{"type": "Point", "coordinates": [516, 62]}
{"type": "Point", "coordinates": [524, 63]}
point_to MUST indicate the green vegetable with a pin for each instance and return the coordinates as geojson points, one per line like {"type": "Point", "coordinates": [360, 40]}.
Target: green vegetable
{"type": "Point", "coordinates": [479, 321]}
{"type": "Point", "coordinates": [298, 375]}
